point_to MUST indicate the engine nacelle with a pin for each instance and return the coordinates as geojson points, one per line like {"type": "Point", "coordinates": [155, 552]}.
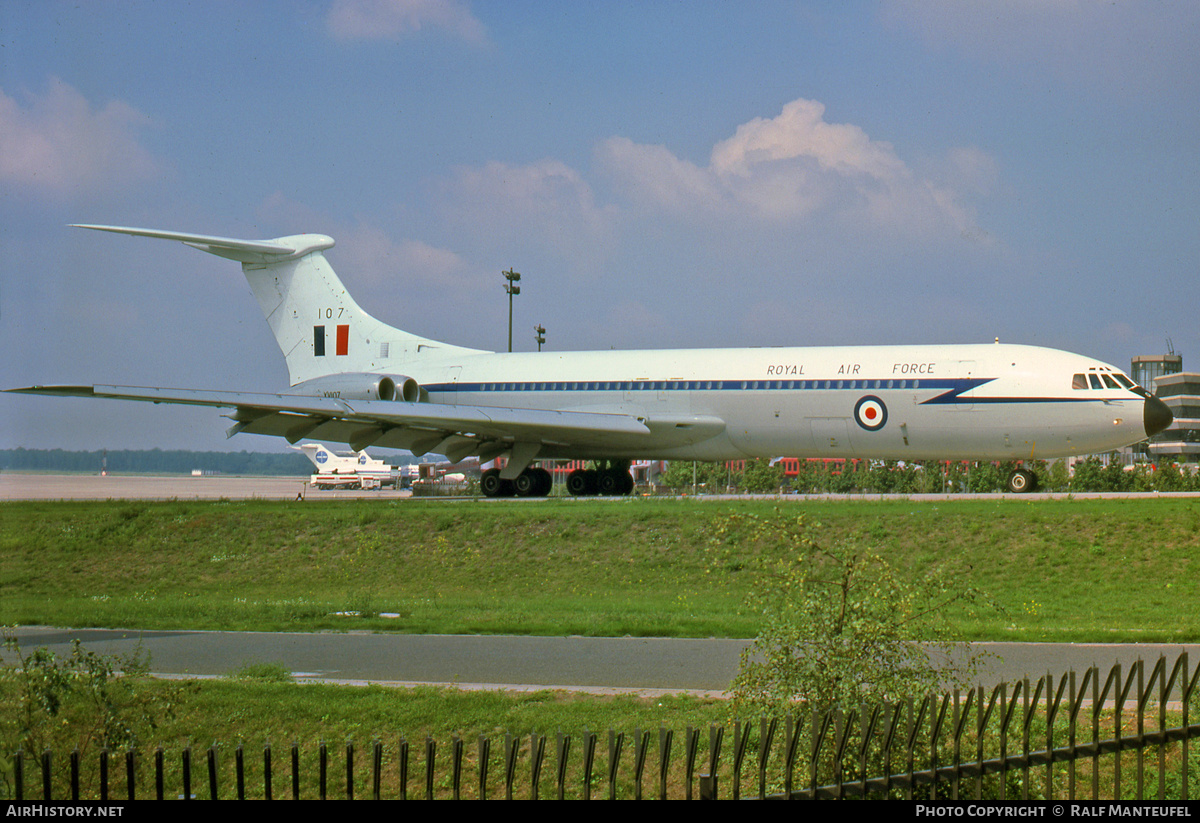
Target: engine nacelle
{"type": "Point", "coordinates": [363, 387]}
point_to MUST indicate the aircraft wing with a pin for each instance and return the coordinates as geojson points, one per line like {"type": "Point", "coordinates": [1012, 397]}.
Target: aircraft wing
{"type": "Point", "coordinates": [452, 430]}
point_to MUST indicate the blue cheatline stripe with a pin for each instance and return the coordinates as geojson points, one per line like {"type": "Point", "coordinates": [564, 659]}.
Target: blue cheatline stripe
{"type": "Point", "coordinates": [705, 385]}
{"type": "Point", "coordinates": [953, 385]}
{"type": "Point", "coordinates": [952, 393]}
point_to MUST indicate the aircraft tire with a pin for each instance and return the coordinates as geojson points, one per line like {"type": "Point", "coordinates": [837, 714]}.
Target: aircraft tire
{"type": "Point", "coordinates": [492, 485]}
{"type": "Point", "coordinates": [627, 483]}
{"type": "Point", "coordinates": [533, 483]}
{"type": "Point", "coordinates": [578, 484]}
{"type": "Point", "coordinates": [525, 484]}
{"type": "Point", "coordinates": [609, 483]}
{"type": "Point", "coordinates": [1021, 481]}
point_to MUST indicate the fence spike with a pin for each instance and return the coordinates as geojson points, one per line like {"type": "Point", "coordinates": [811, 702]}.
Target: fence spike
{"type": "Point", "coordinates": [485, 750]}
{"type": "Point", "coordinates": [537, 753]}
{"type": "Point", "coordinates": [615, 741]}
{"type": "Point", "coordinates": [664, 760]}
{"type": "Point", "coordinates": [456, 757]}
{"type": "Point", "coordinates": [560, 770]}
{"type": "Point", "coordinates": [510, 764]}
{"type": "Point", "coordinates": [589, 762]}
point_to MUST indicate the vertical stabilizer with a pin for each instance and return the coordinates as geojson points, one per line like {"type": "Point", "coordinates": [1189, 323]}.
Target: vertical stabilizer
{"type": "Point", "coordinates": [317, 324]}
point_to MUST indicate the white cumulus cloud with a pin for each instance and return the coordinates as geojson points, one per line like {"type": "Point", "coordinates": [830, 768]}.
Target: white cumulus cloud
{"type": "Point", "coordinates": [545, 201]}
{"type": "Point", "coordinates": [58, 142]}
{"type": "Point", "coordinates": [380, 19]}
{"type": "Point", "coordinates": [788, 168]}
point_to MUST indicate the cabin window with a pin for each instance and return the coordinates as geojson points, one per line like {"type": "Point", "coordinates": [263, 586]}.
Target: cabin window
{"type": "Point", "coordinates": [1095, 380]}
{"type": "Point", "coordinates": [1079, 381]}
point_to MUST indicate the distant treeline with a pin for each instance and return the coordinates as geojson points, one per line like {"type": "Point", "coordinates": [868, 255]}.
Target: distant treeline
{"type": "Point", "coordinates": [155, 461]}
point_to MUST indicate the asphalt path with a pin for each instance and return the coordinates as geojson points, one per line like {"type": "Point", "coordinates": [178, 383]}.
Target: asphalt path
{"type": "Point", "coordinates": [647, 666]}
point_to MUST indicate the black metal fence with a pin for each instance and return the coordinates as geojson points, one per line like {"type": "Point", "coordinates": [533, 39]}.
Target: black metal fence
{"type": "Point", "coordinates": [1121, 736]}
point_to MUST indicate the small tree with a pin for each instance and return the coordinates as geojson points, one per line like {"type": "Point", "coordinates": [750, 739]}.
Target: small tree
{"type": "Point", "coordinates": [75, 702]}
{"type": "Point", "coordinates": [760, 477]}
{"type": "Point", "coordinates": [840, 625]}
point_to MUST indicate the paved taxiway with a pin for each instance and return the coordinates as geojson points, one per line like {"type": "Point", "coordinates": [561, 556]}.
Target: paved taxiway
{"type": "Point", "coordinates": [645, 666]}
{"type": "Point", "coordinates": [15, 486]}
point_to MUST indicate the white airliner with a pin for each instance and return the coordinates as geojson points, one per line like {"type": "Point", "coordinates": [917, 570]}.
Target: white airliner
{"type": "Point", "coordinates": [348, 469]}
{"type": "Point", "coordinates": [356, 380]}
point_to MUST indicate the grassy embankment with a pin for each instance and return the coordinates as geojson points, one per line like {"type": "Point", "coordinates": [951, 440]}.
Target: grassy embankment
{"type": "Point", "coordinates": [1068, 570]}
{"type": "Point", "coordinates": [1060, 570]}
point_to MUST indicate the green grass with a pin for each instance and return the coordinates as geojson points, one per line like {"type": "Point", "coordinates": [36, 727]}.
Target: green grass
{"type": "Point", "coordinates": [253, 709]}
{"type": "Point", "coordinates": [1071, 570]}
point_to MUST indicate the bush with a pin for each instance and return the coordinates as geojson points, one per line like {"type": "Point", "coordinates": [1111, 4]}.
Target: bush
{"type": "Point", "coordinates": [840, 626]}
{"type": "Point", "coordinates": [74, 703]}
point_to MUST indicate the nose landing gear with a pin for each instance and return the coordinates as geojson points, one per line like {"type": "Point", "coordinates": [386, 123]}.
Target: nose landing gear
{"type": "Point", "coordinates": [1021, 481]}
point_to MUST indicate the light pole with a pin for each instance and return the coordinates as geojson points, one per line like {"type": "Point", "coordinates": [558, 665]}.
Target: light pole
{"type": "Point", "coordinates": [540, 336]}
{"type": "Point", "coordinates": [512, 277]}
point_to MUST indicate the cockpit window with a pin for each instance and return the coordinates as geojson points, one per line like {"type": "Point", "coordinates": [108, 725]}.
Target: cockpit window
{"type": "Point", "coordinates": [1094, 380]}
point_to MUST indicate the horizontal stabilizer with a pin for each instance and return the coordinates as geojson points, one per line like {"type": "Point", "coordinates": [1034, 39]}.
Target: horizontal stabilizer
{"type": "Point", "coordinates": [245, 251]}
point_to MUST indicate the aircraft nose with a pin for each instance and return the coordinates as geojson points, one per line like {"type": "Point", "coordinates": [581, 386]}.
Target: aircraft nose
{"type": "Point", "coordinates": [1157, 416]}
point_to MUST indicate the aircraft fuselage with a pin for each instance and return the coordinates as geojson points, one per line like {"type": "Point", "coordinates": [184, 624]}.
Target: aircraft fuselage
{"type": "Point", "coordinates": [981, 402]}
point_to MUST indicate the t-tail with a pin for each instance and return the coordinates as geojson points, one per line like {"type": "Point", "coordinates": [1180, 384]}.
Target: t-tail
{"type": "Point", "coordinates": [318, 326]}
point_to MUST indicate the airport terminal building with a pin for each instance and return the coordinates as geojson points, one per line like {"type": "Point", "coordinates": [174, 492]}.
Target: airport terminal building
{"type": "Point", "coordinates": [1163, 374]}
{"type": "Point", "coordinates": [1181, 440]}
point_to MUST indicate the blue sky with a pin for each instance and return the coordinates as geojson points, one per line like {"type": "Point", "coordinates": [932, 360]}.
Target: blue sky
{"type": "Point", "coordinates": [663, 174]}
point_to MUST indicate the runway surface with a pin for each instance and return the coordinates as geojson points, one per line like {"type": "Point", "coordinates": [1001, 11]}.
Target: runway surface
{"type": "Point", "coordinates": [15, 486]}
{"type": "Point", "coordinates": [647, 666]}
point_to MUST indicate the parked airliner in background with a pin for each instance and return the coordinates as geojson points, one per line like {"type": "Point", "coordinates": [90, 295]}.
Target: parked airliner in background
{"type": "Point", "coordinates": [356, 380]}
{"type": "Point", "coordinates": [348, 470]}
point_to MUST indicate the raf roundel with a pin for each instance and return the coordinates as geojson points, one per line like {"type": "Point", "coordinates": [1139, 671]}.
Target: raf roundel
{"type": "Point", "coordinates": [870, 413]}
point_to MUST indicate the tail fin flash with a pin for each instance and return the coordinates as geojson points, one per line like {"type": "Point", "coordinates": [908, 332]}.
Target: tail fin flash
{"type": "Point", "coordinates": [317, 324]}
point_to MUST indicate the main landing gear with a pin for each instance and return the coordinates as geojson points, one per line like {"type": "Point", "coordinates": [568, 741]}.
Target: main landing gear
{"type": "Point", "coordinates": [1021, 481]}
{"type": "Point", "coordinates": [611, 478]}
{"type": "Point", "coordinates": [532, 482]}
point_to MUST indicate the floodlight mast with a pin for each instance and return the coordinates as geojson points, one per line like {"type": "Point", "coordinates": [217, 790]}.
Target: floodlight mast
{"type": "Point", "coordinates": [512, 277]}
